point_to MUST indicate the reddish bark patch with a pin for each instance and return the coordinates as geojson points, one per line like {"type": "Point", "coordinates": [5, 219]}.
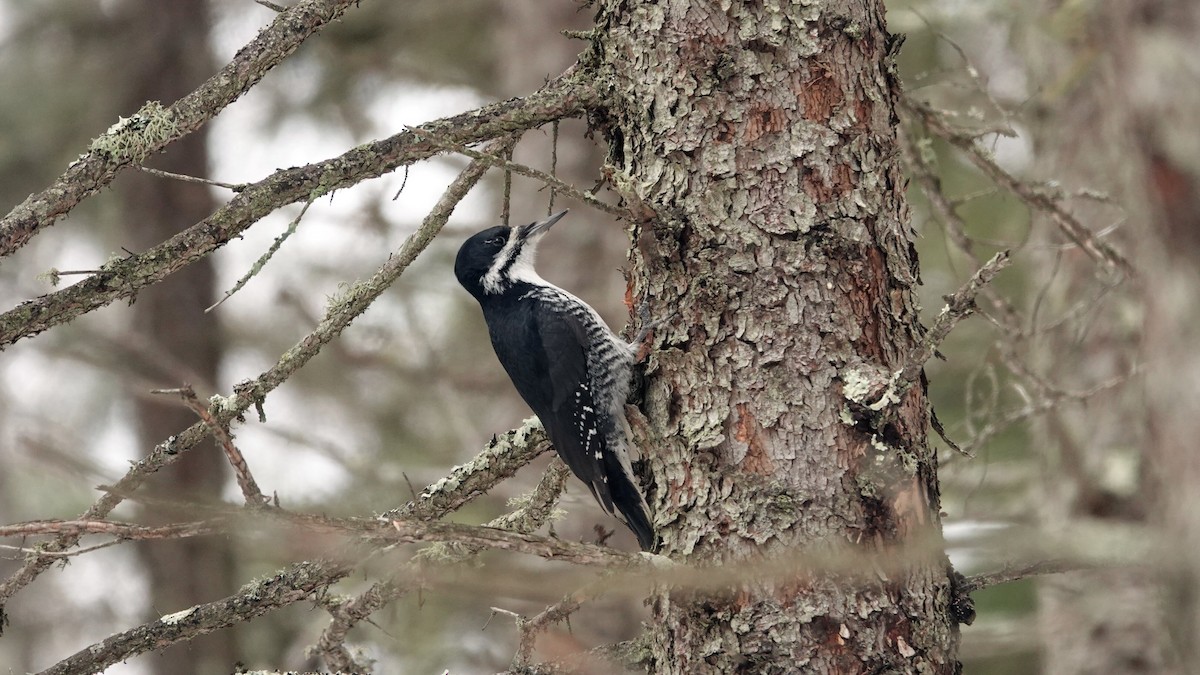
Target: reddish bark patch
{"type": "Point", "coordinates": [764, 120]}
{"type": "Point", "coordinates": [840, 184]}
{"type": "Point", "coordinates": [747, 430]}
{"type": "Point", "coordinates": [820, 95]}
{"type": "Point", "coordinates": [867, 287]}
{"type": "Point", "coordinates": [863, 109]}
{"type": "Point", "coordinates": [910, 508]}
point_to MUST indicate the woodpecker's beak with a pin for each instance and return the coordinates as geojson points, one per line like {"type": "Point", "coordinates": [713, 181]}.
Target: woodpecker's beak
{"type": "Point", "coordinates": [533, 230]}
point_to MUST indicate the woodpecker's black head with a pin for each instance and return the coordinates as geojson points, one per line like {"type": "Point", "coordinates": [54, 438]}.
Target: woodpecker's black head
{"type": "Point", "coordinates": [492, 261]}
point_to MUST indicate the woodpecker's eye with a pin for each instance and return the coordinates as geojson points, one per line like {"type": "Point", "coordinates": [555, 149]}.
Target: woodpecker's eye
{"type": "Point", "coordinates": [494, 241]}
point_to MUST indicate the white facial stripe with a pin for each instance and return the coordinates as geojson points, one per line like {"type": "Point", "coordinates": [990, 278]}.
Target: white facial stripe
{"type": "Point", "coordinates": [491, 280]}
{"type": "Point", "coordinates": [522, 267]}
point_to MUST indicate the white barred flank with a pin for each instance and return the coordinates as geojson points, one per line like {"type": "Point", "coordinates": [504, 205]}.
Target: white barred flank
{"type": "Point", "coordinates": [610, 364]}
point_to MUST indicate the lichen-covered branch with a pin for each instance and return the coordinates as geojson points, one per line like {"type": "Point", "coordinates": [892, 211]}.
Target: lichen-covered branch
{"type": "Point", "coordinates": [122, 279]}
{"type": "Point", "coordinates": [959, 306]}
{"type": "Point", "coordinates": [252, 393]}
{"type": "Point", "coordinates": [154, 127]}
{"type": "Point", "coordinates": [294, 583]}
{"type": "Point", "coordinates": [876, 389]}
{"type": "Point", "coordinates": [502, 457]}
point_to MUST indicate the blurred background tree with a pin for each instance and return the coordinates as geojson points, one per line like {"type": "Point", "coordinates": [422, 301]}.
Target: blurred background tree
{"type": "Point", "coordinates": [1077, 398]}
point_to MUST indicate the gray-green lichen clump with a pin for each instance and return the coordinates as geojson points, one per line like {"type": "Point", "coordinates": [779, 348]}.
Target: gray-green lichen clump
{"type": "Point", "coordinates": [134, 138]}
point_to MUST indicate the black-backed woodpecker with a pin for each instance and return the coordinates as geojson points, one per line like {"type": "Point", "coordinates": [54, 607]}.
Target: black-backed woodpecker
{"type": "Point", "coordinates": [564, 361]}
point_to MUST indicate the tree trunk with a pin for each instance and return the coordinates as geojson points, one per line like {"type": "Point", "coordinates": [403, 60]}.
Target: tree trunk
{"type": "Point", "coordinates": [176, 341]}
{"type": "Point", "coordinates": [760, 138]}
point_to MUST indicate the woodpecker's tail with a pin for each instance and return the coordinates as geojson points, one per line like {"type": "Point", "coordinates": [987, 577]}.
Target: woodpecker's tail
{"type": "Point", "coordinates": [638, 520]}
{"type": "Point", "coordinates": [632, 506]}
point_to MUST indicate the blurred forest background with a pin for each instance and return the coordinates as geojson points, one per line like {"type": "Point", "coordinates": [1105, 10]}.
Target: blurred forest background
{"type": "Point", "coordinates": [1092, 105]}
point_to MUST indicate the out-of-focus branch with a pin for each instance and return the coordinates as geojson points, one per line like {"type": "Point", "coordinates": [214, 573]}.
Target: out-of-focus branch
{"type": "Point", "coordinates": [535, 511]}
{"type": "Point", "coordinates": [1038, 200]}
{"type": "Point", "coordinates": [292, 584]}
{"type": "Point", "coordinates": [128, 531]}
{"type": "Point", "coordinates": [154, 127]}
{"type": "Point", "coordinates": [1011, 573]}
{"type": "Point", "coordinates": [124, 278]}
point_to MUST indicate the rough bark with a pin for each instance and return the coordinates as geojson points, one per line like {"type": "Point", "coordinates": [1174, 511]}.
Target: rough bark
{"type": "Point", "coordinates": [760, 140]}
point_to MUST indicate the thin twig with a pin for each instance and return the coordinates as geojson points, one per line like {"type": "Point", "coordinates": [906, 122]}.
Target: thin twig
{"type": "Point", "coordinates": [553, 164]}
{"type": "Point", "coordinates": [63, 554]}
{"type": "Point", "coordinates": [241, 470]}
{"type": "Point", "coordinates": [1011, 573]}
{"type": "Point", "coordinates": [236, 187]}
{"type": "Point", "coordinates": [566, 188]}
{"type": "Point", "coordinates": [271, 5]}
{"type": "Point", "coordinates": [506, 199]}
{"type": "Point", "coordinates": [262, 261]}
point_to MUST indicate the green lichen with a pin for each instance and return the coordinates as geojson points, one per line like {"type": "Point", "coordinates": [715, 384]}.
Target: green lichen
{"type": "Point", "coordinates": [134, 138]}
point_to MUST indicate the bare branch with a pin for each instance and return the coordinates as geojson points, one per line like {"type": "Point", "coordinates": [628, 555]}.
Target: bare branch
{"type": "Point", "coordinates": [1010, 573]}
{"type": "Point", "coordinates": [154, 127]}
{"type": "Point", "coordinates": [1074, 230]}
{"type": "Point", "coordinates": [123, 279]}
